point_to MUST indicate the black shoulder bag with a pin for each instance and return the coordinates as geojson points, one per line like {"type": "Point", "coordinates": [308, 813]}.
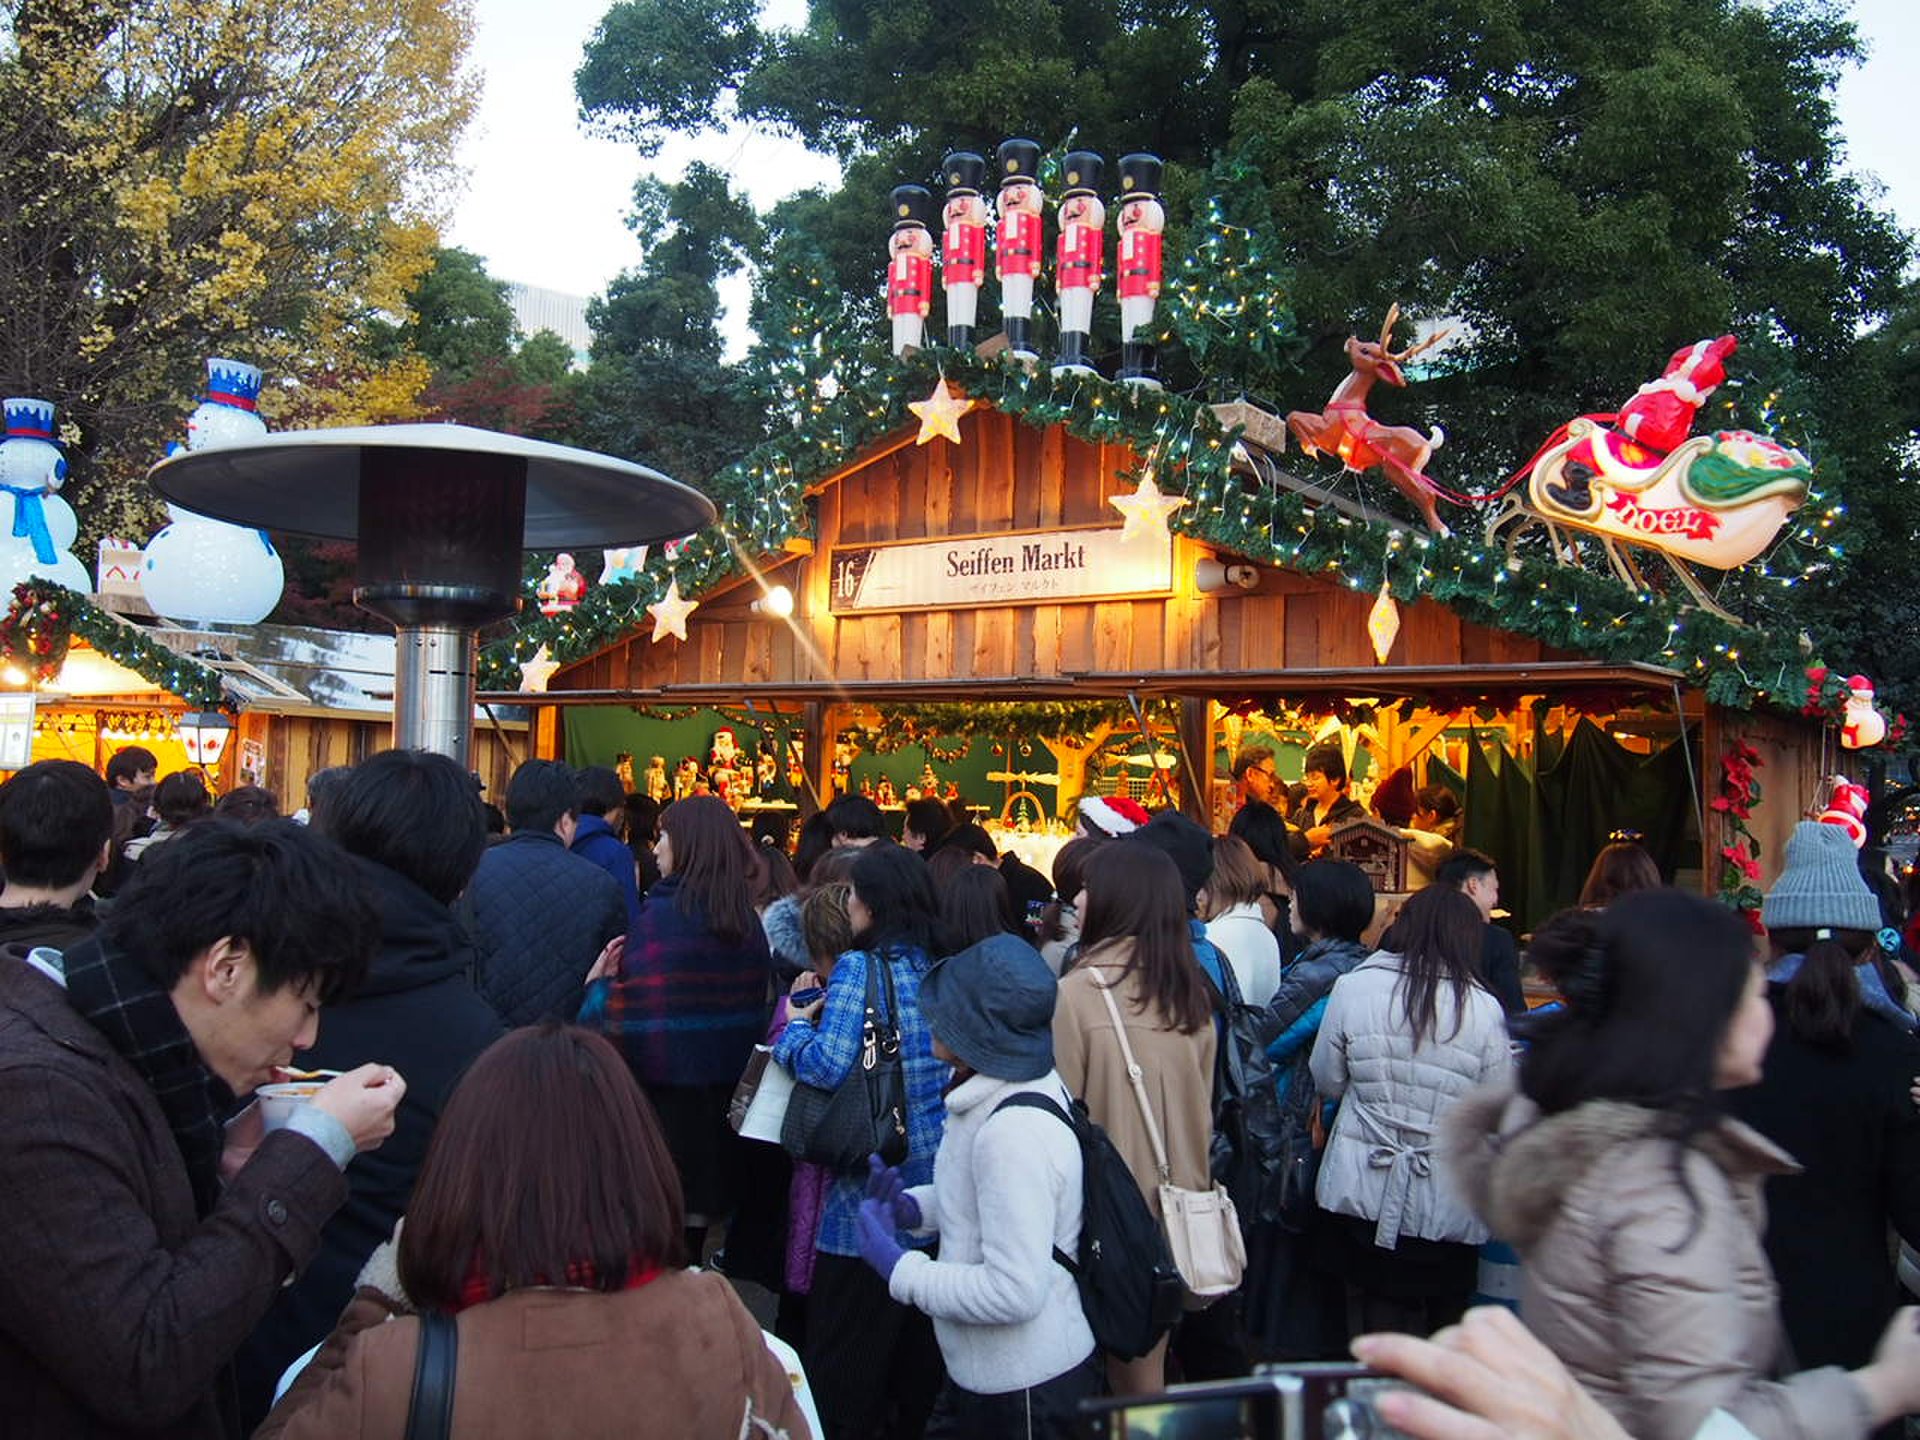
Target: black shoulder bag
{"type": "Point", "coordinates": [430, 1414]}
{"type": "Point", "coordinates": [866, 1114]}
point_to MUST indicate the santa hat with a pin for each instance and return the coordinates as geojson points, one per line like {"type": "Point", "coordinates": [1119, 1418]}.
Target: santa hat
{"type": "Point", "coordinates": [1113, 815]}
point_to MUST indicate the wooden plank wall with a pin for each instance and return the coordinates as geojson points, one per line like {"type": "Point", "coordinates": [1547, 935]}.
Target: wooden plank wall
{"type": "Point", "coordinates": [298, 745]}
{"type": "Point", "coordinates": [1009, 476]}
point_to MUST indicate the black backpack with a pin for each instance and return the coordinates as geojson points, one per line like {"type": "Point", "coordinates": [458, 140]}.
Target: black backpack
{"type": "Point", "coordinates": [1129, 1289]}
{"type": "Point", "coordinates": [1249, 1128]}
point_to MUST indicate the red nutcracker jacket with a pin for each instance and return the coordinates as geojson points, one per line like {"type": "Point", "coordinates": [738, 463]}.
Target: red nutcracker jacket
{"type": "Point", "coordinates": [963, 254]}
{"type": "Point", "coordinates": [1017, 247]}
{"type": "Point", "coordinates": [1079, 255]}
{"type": "Point", "coordinates": [909, 285]}
{"type": "Point", "coordinates": [1140, 264]}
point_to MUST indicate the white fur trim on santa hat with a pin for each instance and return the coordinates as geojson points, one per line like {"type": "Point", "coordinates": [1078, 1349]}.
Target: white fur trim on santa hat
{"type": "Point", "coordinates": [1113, 815]}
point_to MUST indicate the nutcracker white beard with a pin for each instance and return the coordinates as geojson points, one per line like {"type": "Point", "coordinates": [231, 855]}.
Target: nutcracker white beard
{"type": "Point", "coordinates": [963, 302]}
{"type": "Point", "coordinates": [1016, 295]}
{"type": "Point", "coordinates": [1135, 311]}
{"type": "Point", "coordinates": [1076, 309]}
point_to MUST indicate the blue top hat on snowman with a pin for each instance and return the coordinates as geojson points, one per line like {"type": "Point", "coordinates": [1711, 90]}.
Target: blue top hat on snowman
{"type": "Point", "coordinates": [233, 382]}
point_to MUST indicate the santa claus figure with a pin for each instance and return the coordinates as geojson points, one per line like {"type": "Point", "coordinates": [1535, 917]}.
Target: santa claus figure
{"type": "Point", "coordinates": [1847, 808]}
{"type": "Point", "coordinates": [963, 244]}
{"type": "Point", "coordinates": [1861, 723]}
{"type": "Point", "coordinates": [563, 588]}
{"type": "Point", "coordinates": [1078, 258]}
{"type": "Point", "coordinates": [1139, 266]}
{"type": "Point", "coordinates": [1017, 243]}
{"type": "Point", "coordinates": [910, 266]}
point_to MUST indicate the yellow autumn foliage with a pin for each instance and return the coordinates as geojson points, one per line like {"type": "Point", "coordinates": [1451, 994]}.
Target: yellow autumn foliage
{"type": "Point", "coordinates": [191, 177]}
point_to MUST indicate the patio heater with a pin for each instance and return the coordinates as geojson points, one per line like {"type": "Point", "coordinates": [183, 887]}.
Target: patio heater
{"type": "Point", "coordinates": [441, 514]}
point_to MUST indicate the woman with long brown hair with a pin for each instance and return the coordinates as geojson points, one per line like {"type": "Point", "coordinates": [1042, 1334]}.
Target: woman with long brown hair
{"type": "Point", "coordinates": [688, 998]}
{"type": "Point", "coordinates": [1136, 943]}
{"type": "Point", "coordinates": [1407, 1031]}
{"type": "Point", "coordinates": [547, 1222]}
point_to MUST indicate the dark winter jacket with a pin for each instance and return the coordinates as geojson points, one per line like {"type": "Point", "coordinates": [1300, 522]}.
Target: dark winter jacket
{"type": "Point", "coordinates": [1288, 1027]}
{"type": "Point", "coordinates": [55, 926]}
{"type": "Point", "coordinates": [595, 841]}
{"type": "Point", "coordinates": [1500, 965]}
{"type": "Point", "coordinates": [540, 918]}
{"type": "Point", "coordinates": [1843, 1113]}
{"type": "Point", "coordinates": [418, 1012]}
{"type": "Point", "coordinates": [686, 1007]}
{"type": "Point", "coordinates": [120, 1308]}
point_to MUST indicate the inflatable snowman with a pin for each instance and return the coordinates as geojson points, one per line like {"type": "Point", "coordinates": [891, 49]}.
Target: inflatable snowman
{"type": "Point", "coordinates": [37, 527]}
{"type": "Point", "coordinates": [204, 570]}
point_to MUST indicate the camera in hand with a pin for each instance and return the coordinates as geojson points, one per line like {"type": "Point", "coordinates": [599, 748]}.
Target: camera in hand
{"type": "Point", "coordinates": [1330, 1401]}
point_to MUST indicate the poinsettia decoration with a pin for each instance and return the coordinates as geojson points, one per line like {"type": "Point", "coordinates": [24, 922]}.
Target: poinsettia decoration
{"type": "Point", "coordinates": [1739, 793]}
{"type": "Point", "coordinates": [1827, 694]}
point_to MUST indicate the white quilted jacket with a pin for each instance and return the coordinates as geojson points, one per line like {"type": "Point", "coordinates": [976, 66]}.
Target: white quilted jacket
{"type": "Point", "coordinates": [1381, 1162]}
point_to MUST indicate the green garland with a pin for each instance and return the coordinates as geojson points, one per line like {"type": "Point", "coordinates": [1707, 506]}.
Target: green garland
{"type": "Point", "coordinates": [45, 618]}
{"type": "Point", "coordinates": [903, 725]}
{"type": "Point", "coordinates": [1188, 452]}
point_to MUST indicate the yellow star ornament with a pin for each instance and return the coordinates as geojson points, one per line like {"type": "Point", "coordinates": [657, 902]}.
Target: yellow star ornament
{"type": "Point", "coordinates": [535, 673]}
{"type": "Point", "coordinates": [670, 613]}
{"type": "Point", "coordinates": [940, 414]}
{"type": "Point", "coordinates": [1383, 623]}
{"type": "Point", "coordinates": [1146, 510]}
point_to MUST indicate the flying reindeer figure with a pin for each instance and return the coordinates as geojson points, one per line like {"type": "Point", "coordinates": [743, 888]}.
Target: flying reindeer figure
{"type": "Point", "coordinates": [1346, 430]}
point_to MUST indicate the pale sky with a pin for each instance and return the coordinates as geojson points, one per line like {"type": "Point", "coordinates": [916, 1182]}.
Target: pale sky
{"type": "Point", "coordinates": [546, 204]}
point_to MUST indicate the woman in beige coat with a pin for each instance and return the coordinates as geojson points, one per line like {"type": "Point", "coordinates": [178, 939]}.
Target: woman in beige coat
{"type": "Point", "coordinates": [1135, 941]}
{"type": "Point", "coordinates": [1636, 1205]}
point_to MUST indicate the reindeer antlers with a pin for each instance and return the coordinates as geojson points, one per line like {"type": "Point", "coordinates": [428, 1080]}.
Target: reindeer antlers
{"type": "Point", "coordinates": [1386, 338]}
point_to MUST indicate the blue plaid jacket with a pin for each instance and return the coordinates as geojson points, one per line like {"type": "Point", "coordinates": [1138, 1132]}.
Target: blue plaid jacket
{"type": "Point", "coordinates": [823, 1052]}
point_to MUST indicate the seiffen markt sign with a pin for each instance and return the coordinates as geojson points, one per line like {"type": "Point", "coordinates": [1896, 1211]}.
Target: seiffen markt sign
{"type": "Point", "coordinates": [1093, 564]}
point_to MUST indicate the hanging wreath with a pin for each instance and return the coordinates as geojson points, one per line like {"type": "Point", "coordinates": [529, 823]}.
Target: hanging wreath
{"type": "Point", "coordinates": [36, 632]}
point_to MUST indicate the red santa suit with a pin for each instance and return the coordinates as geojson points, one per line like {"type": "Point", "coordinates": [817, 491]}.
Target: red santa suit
{"type": "Point", "coordinates": [1660, 415]}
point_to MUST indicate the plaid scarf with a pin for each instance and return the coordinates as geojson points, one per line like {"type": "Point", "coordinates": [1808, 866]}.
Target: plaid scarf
{"type": "Point", "coordinates": [117, 996]}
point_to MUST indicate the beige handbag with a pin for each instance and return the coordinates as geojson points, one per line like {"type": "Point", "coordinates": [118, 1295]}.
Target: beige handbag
{"type": "Point", "coordinates": [1203, 1230]}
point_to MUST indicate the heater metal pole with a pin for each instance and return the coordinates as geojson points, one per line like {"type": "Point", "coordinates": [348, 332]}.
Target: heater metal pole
{"type": "Point", "coordinates": [433, 688]}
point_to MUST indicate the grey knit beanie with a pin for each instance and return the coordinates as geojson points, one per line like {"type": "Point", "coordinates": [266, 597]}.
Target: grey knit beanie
{"type": "Point", "coordinates": [1821, 886]}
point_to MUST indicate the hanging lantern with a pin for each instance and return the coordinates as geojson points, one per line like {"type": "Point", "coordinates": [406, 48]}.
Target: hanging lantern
{"type": "Point", "coordinates": [205, 734]}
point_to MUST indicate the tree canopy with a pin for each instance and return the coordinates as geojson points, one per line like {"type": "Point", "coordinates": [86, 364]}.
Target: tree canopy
{"type": "Point", "coordinates": [190, 178]}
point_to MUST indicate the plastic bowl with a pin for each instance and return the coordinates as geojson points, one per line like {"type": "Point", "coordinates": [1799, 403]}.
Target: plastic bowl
{"type": "Point", "coordinates": [279, 1102]}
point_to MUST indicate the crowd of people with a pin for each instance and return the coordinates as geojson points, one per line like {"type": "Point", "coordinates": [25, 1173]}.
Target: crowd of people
{"type": "Point", "coordinates": [1213, 1106]}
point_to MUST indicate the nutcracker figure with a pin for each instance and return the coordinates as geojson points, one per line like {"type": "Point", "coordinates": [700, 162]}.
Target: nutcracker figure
{"type": "Point", "coordinates": [910, 266]}
{"type": "Point", "coordinates": [1139, 266]}
{"type": "Point", "coordinates": [1017, 244]}
{"type": "Point", "coordinates": [1078, 258]}
{"type": "Point", "coordinates": [963, 245]}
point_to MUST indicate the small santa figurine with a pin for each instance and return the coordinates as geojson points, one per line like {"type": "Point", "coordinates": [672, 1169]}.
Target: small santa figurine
{"type": "Point", "coordinates": [1847, 808]}
{"type": "Point", "coordinates": [563, 588]}
{"type": "Point", "coordinates": [1139, 266]}
{"type": "Point", "coordinates": [886, 794]}
{"type": "Point", "coordinates": [1017, 246]}
{"type": "Point", "coordinates": [1078, 258]}
{"type": "Point", "coordinates": [910, 266]}
{"type": "Point", "coordinates": [963, 244]}
{"type": "Point", "coordinates": [658, 789]}
{"type": "Point", "coordinates": [1861, 724]}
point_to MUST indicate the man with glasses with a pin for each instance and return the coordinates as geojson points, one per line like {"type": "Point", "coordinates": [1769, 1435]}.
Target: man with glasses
{"type": "Point", "coordinates": [1255, 773]}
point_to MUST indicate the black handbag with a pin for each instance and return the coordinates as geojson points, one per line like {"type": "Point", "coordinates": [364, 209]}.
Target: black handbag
{"type": "Point", "coordinates": [866, 1114]}
{"type": "Point", "coordinates": [430, 1413]}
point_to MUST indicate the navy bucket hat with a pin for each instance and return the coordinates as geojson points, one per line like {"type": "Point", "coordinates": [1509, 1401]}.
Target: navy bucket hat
{"type": "Point", "coordinates": [992, 1005]}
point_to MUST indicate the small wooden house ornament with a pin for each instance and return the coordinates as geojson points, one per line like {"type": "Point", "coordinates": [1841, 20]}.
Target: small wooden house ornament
{"type": "Point", "coordinates": [1379, 850]}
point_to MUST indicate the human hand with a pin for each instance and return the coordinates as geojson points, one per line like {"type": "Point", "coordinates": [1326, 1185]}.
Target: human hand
{"type": "Point", "coordinates": [1484, 1379]}
{"type": "Point", "coordinates": [608, 964]}
{"type": "Point", "coordinates": [885, 1185]}
{"type": "Point", "coordinates": [1319, 835]}
{"type": "Point", "coordinates": [878, 1247]}
{"type": "Point", "coordinates": [1892, 1381]}
{"type": "Point", "coordinates": [244, 1134]}
{"type": "Point", "coordinates": [805, 980]}
{"type": "Point", "coordinates": [364, 1101]}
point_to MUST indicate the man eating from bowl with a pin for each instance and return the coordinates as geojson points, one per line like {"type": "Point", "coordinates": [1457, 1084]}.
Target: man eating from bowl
{"type": "Point", "coordinates": [138, 1244]}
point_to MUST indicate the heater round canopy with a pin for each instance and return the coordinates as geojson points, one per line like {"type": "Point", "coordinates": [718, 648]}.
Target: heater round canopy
{"type": "Point", "coordinates": [310, 482]}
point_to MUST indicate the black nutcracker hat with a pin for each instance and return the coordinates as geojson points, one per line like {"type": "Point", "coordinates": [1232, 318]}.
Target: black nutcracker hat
{"type": "Point", "coordinates": [1080, 173]}
{"type": "Point", "coordinates": [1140, 177]}
{"type": "Point", "coordinates": [1019, 161]}
{"type": "Point", "coordinates": [913, 205]}
{"type": "Point", "coordinates": [966, 172]}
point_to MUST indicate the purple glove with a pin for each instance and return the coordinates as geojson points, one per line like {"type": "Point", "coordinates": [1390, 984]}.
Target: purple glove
{"type": "Point", "coordinates": [885, 1185]}
{"type": "Point", "coordinates": [877, 1244]}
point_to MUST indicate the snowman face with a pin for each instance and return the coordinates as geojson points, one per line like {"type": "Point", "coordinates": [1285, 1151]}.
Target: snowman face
{"type": "Point", "coordinates": [30, 464]}
{"type": "Point", "coordinates": [212, 425]}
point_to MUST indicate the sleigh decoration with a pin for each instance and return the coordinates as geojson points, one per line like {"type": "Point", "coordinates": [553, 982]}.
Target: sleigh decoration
{"type": "Point", "coordinates": [1638, 480]}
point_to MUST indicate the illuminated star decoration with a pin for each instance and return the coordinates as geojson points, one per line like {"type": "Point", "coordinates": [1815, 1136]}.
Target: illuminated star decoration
{"type": "Point", "coordinates": [1383, 623]}
{"type": "Point", "coordinates": [670, 613]}
{"type": "Point", "coordinates": [535, 673]}
{"type": "Point", "coordinates": [623, 564]}
{"type": "Point", "coordinates": [1146, 510]}
{"type": "Point", "coordinates": [940, 413]}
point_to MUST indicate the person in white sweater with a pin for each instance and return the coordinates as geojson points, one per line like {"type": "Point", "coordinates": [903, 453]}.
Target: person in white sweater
{"type": "Point", "coordinates": [1006, 1202]}
{"type": "Point", "coordinates": [1231, 902]}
